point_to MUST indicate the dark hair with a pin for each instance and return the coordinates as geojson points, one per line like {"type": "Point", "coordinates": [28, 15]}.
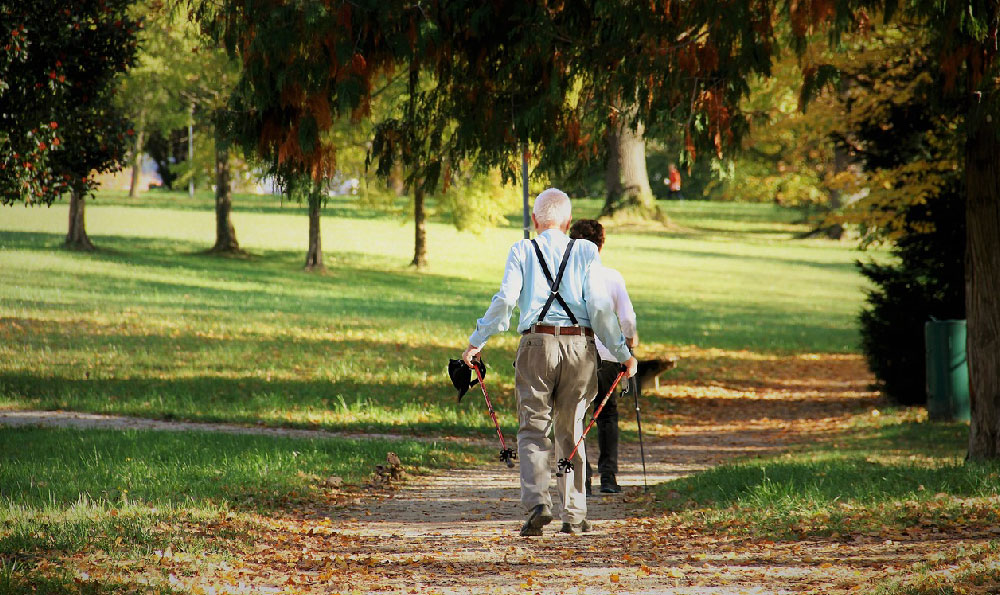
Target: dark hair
{"type": "Point", "coordinates": [588, 229]}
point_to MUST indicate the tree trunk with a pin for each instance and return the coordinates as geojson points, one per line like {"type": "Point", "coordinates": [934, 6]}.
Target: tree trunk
{"type": "Point", "coordinates": [982, 286]}
{"type": "Point", "coordinates": [314, 258]}
{"type": "Point", "coordinates": [612, 173]}
{"type": "Point", "coordinates": [627, 181]}
{"type": "Point", "coordinates": [397, 179]}
{"type": "Point", "coordinates": [419, 228]}
{"type": "Point", "coordinates": [76, 237]}
{"type": "Point", "coordinates": [225, 233]}
{"type": "Point", "coordinates": [133, 187]}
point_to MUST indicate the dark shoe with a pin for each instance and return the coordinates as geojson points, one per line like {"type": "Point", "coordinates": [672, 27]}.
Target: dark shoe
{"type": "Point", "coordinates": [609, 485]}
{"type": "Point", "coordinates": [540, 516]}
{"type": "Point", "coordinates": [583, 526]}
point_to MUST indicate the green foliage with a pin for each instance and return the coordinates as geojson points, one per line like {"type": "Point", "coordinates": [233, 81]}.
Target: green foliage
{"type": "Point", "coordinates": [180, 78]}
{"type": "Point", "coordinates": [60, 126]}
{"type": "Point", "coordinates": [153, 91]}
{"type": "Point", "coordinates": [788, 155]}
{"type": "Point", "coordinates": [927, 283]}
{"type": "Point", "coordinates": [478, 201]}
{"type": "Point", "coordinates": [903, 129]}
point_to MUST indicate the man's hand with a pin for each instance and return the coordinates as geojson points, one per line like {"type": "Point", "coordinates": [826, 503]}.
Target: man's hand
{"type": "Point", "coordinates": [633, 366]}
{"type": "Point", "coordinates": [470, 354]}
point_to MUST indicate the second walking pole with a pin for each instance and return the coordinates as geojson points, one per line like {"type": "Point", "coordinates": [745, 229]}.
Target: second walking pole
{"type": "Point", "coordinates": [642, 450]}
{"type": "Point", "coordinates": [567, 463]}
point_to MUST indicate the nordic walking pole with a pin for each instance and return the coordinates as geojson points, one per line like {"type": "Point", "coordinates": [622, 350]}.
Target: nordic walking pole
{"type": "Point", "coordinates": [642, 449]}
{"type": "Point", "coordinates": [567, 463]}
{"type": "Point", "coordinates": [506, 454]}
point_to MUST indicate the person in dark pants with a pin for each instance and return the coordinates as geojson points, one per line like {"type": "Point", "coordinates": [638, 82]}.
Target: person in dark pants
{"type": "Point", "coordinates": [607, 421]}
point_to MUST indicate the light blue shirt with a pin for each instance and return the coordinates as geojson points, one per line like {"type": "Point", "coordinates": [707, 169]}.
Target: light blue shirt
{"type": "Point", "coordinates": [524, 285]}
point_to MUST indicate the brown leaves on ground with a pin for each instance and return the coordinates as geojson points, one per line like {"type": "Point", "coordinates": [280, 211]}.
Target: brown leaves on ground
{"type": "Point", "coordinates": [457, 532]}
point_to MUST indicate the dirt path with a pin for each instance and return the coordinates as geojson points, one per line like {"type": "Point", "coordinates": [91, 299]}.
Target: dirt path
{"type": "Point", "coordinates": [458, 532]}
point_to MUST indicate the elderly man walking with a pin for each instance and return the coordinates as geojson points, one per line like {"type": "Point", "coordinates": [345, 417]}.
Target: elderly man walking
{"type": "Point", "coordinates": [563, 302]}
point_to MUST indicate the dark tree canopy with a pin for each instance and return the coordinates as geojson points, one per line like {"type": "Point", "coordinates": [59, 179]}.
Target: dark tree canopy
{"type": "Point", "coordinates": [58, 122]}
{"type": "Point", "coordinates": [557, 74]}
{"type": "Point", "coordinates": [554, 74]}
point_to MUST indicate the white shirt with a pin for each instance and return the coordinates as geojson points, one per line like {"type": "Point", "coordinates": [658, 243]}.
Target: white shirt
{"type": "Point", "coordinates": [525, 287]}
{"type": "Point", "coordinates": [622, 307]}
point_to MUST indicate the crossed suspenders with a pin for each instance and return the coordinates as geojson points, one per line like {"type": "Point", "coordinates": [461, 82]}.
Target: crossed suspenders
{"type": "Point", "coordinates": [554, 283]}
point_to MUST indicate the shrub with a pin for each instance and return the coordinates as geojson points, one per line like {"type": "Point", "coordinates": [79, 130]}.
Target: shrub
{"type": "Point", "coordinates": [928, 282]}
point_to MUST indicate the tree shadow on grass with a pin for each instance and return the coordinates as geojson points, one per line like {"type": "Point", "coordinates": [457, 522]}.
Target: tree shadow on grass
{"type": "Point", "coordinates": [340, 405]}
{"type": "Point", "coordinates": [175, 276]}
{"type": "Point", "coordinates": [179, 276]}
{"type": "Point", "coordinates": [138, 468]}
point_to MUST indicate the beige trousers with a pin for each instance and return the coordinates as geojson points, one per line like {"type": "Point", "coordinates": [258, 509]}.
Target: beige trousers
{"type": "Point", "coordinates": [555, 379]}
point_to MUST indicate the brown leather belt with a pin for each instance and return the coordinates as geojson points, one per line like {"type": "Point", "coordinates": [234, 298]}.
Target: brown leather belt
{"type": "Point", "coordinates": [560, 330]}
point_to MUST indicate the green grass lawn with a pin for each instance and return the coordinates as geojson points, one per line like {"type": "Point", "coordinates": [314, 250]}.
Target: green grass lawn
{"type": "Point", "coordinates": [891, 477]}
{"type": "Point", "coordinates": [896, 473]}
{"type": "Point", "coordinates": [151, 326]}
{"type": "Point", "coordinates": [131, 494]}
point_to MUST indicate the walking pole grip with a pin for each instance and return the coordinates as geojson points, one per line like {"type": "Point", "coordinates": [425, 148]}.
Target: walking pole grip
{"type": "Point", "coordinates": [566, 464]}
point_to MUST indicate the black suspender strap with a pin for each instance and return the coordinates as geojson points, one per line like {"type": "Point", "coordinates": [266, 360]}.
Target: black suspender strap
{"type": "Point", "coordinates": [554, 283]}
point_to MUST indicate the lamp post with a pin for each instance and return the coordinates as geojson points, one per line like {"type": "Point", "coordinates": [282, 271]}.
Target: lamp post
{"type": "Point", "coordinates": [191, 149]}
{"type": "Point", "coordinates": [524, 194]}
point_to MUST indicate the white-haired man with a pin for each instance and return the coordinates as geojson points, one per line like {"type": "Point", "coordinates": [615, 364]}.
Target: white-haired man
{"type": "Point", "coordinates": [562, 306]}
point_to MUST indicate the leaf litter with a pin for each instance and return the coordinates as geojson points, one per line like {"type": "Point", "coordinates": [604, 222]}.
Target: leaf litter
{"type": "Point", "coordinates": [457, 532]}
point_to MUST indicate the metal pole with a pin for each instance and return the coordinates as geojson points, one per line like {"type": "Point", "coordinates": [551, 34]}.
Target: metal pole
{"type": "Point", "coordinates": [191, 150]}
{"type": "Point", "coordinates": [524, 179]}
{"type": "Point", "coordinates": [638, 423]}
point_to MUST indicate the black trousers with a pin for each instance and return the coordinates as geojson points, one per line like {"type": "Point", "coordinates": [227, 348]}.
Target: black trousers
{"type": "Point", "coordinates": [607, 422]}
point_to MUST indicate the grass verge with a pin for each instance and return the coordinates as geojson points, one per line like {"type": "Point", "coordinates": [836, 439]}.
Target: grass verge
{"type": "Point", "coordinates": [128, 495]}
{"type": "Point", "coordinates": [894, 476]}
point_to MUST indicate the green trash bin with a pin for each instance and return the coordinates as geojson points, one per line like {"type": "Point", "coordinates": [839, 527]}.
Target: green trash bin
{"type": "Point", "coordinates": [947, 370]}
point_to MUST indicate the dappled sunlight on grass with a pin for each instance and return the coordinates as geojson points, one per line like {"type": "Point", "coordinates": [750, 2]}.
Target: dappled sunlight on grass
{"type": "Point", "coordinates": [148, 326]}
{"type": "Point", "coordinates": [797, 463]}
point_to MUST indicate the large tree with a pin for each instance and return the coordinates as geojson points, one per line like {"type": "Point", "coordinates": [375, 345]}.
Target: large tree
{"type": "Point", "coordinates": [505, 74]}
{"type": "Point", "coordinates": [61, 126]}
{"type": "Point", "coordinates": [964, 33]}
{"type": "Point", "coordinates": [60, 123]}
{"type": "Point", "coordinates": [181, 75]}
